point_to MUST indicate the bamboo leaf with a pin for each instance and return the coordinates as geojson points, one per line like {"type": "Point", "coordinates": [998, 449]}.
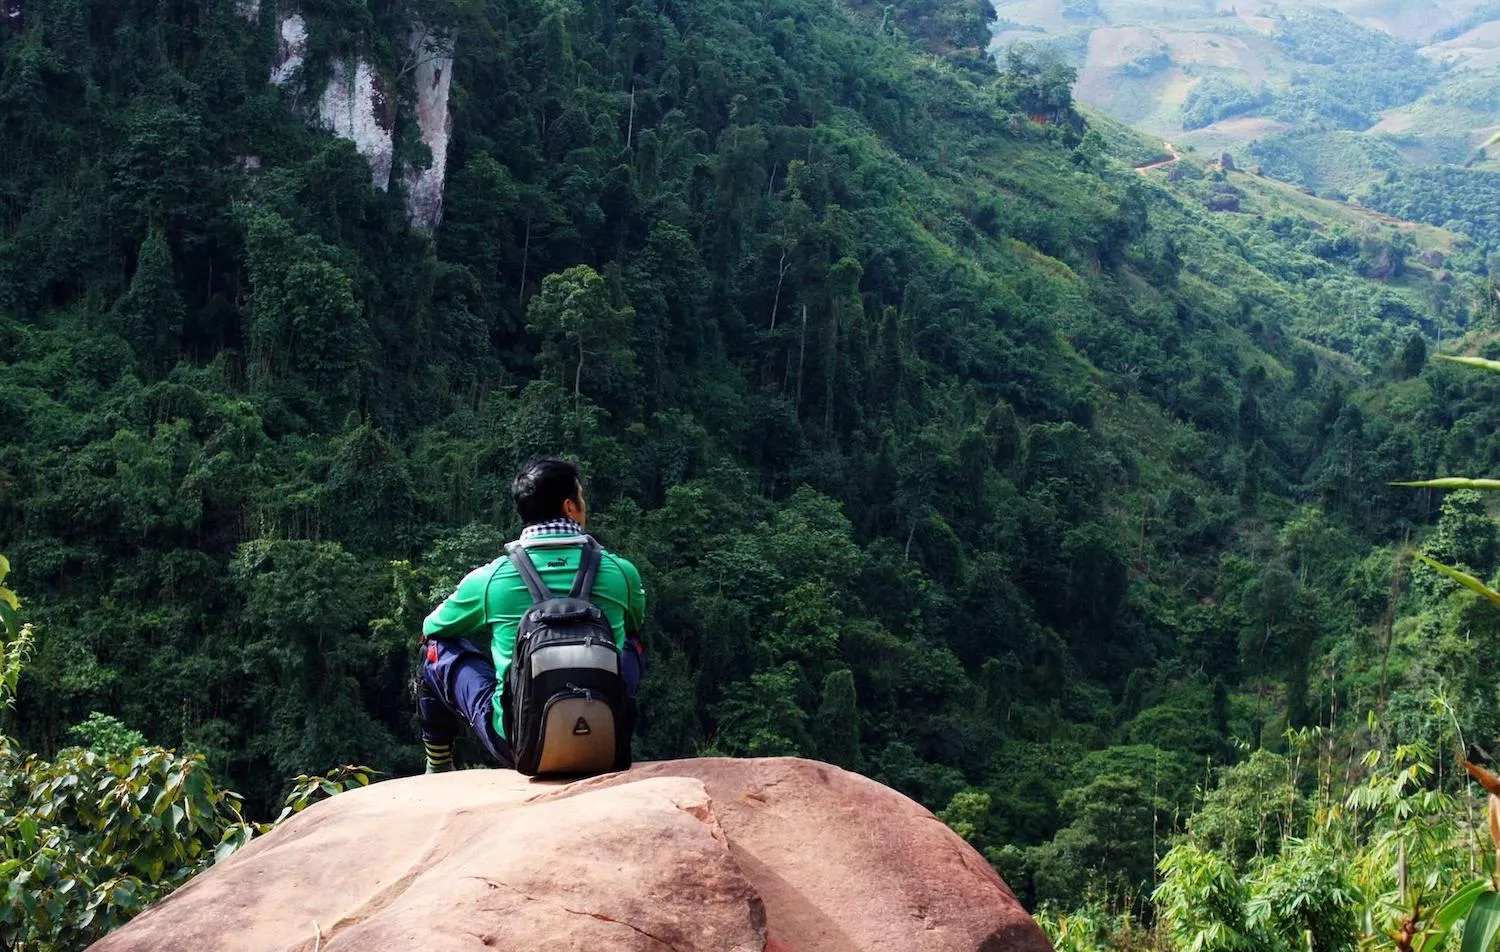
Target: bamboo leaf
{"type": "Point", "coordinates": [1451, 482]}
{"type": "Point", "coordinates": [1483, 923]}
{"type": "Point", "coordinates": [1463, 578]}
{"type": "Point", "coordinates": [1493, 139]}
{"type": "Point", "coordinates": [1448, 914]}
{"type": "Point", "coordinates": [1476, 362]}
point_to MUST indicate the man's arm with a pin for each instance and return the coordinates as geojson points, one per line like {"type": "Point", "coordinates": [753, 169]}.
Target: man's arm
{"type": "Point", "coordinates": [463, 612]}
{"type": "Point", "coordinates": [635, 607]}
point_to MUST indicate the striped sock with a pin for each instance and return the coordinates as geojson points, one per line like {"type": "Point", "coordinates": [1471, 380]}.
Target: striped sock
{"type": "Point", "coordinates": [439, 757]}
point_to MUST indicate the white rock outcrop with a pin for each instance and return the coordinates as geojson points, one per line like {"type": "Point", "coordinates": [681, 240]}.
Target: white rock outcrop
{"type": "Point", "coordinates": [355, 106]}
{"type": "Point", "coordinates": [359, 104]}
{"type": "Point", "coordinates": [291, 48]}
{"type": "Point", "coordinates": [433, 78]}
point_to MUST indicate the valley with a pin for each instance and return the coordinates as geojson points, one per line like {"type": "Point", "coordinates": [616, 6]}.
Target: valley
{"type": "Point", "coordinates": [1044, 469]}
{"type": "Point", "coordinates": [1345, 98]}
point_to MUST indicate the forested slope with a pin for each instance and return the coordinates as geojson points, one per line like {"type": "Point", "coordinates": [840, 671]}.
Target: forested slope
{"type": "Point", "coordinates": [952, 449]}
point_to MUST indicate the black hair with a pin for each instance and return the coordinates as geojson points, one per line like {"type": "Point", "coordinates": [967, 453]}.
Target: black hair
{"type": "Point", "coordinates": [541, 488]}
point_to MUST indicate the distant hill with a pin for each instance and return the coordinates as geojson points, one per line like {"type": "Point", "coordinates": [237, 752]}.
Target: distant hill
{"type": "Point", "coordinates": [1339, 98]}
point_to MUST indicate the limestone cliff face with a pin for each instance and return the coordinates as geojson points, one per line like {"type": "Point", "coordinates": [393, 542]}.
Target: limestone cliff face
{"type": "Point", "coordinates": [433, 77]}
{"type": "Point", "coordinates": [359, 104]}
{"type": "Point", "coordinates": [291, 48]}
{"type": "Point", "coordinates": [355, 106]}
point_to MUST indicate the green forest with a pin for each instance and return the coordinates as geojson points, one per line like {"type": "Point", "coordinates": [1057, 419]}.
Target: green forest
{"type": "Point", "coordinates": [952, 449]}
{"type": "Point", "coordinates": [1347, 72]}
{"type": "Point", "coordinates": [1463, 200]}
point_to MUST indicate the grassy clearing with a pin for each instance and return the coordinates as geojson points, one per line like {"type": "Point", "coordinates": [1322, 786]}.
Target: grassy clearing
{"type": "Point", "coordinates": [1128, 144]}
{"type": "Point", "coordinates": [1265, 196]}
{"type": "Point", "coordinates": [1232, 134]}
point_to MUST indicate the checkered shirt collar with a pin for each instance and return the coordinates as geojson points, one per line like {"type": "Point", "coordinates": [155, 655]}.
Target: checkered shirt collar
{"type": "Point", "coordinates": [552, 527]}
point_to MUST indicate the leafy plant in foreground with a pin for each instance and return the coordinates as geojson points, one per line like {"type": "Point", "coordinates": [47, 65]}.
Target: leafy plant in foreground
{"type": "Point", "coordinates": [1475, 904]}
{"type": "Point", "coordinates": [92, 837]}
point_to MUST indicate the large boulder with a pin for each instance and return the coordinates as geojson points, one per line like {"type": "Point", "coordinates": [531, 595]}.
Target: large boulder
{"type": "Point", "coordinates": [713, 855]}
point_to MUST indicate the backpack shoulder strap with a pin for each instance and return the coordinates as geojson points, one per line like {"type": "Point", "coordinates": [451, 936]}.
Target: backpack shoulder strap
{"type": "Point", "coordinates": [588, 569]}
{"type": "Point", "coordinates": [526, 568]}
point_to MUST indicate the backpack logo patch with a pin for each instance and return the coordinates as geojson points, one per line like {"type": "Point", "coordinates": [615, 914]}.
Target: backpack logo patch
{"type": "Point", "coordinates": [581, 728]}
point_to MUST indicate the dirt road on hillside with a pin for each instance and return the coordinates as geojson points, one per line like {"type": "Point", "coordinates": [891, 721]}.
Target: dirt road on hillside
{"type": "Point", "coordinates": [1143, 169]}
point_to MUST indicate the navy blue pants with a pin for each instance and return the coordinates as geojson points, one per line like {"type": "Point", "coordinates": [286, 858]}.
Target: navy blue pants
{"type": "Point", "coordinates": [458, 687]}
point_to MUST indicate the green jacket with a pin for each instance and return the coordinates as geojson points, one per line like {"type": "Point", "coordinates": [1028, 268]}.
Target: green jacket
{"type": "Point", "coordinates": [489, 602]}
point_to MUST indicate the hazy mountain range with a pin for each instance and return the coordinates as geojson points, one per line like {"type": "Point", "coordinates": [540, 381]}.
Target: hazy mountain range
{"type": "Point", "coordinates": [1421, 81]}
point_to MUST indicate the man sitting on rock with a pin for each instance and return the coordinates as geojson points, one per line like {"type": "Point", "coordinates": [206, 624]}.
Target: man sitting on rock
{"type": "Point", "coordinates": [468, 641]}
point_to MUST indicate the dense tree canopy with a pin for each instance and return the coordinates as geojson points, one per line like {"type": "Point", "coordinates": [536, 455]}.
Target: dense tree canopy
{"type": "Point", "coordinates": [951, 449]}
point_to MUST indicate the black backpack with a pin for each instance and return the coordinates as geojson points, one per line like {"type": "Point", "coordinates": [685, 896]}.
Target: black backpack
{"type": "Point", "coordinates": [566, 710]}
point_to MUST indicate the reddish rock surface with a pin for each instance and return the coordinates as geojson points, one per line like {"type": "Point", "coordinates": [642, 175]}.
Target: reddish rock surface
{"type": "Point", "coordinates": [709, 855]}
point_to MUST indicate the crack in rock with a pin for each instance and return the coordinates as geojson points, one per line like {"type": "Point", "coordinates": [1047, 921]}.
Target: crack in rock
{"type": "Point", "coordinates": [497, 884]}
{"type": "Point", "coordinates": [389, 894]}
{"type": "Point", "coordinates": [603, 918]}
{"type": "Point", "coordinates": [704, 813]}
